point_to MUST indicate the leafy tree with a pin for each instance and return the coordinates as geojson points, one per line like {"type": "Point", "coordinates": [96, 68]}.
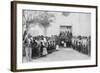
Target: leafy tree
{"type": "Point", "coordinates": [43, 18]}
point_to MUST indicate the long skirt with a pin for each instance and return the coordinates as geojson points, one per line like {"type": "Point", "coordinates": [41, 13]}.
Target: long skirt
{"type": "Point", "coordinates": [35, 52]}
{"type": "Point", "coordinates": [28, 53]}
{"type": "Point", "coordinates": [57, 47]}
{"type": "Point", "coordinates": [44, 51]}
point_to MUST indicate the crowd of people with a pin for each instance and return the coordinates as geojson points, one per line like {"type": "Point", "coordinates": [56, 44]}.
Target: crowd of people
{"type": "Point", "coordinates": [82, 44]}
{"type": "Point", "coordinates": [39, 46]}
{"type": "Point", "coordinates": [65, 39]}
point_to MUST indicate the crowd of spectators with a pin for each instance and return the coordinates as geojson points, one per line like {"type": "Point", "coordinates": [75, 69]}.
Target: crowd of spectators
{"type": "Point", "coordinates": [82, 44]}
{"type": "Point", "coordinates": [39, 46]}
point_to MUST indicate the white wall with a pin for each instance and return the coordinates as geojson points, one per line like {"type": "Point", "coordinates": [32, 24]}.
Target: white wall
{"type": "Point", "coordinates": [5, 37]}
{"type": "Point", "coordinates": [79, 22]}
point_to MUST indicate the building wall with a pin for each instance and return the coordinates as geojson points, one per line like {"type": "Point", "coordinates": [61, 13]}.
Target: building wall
{"type": "Point", "coordinates": [80, 22]}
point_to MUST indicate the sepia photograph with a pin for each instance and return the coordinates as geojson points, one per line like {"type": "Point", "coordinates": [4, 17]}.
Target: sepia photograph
{"type": "Point", "coordinates": [46, 36]}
